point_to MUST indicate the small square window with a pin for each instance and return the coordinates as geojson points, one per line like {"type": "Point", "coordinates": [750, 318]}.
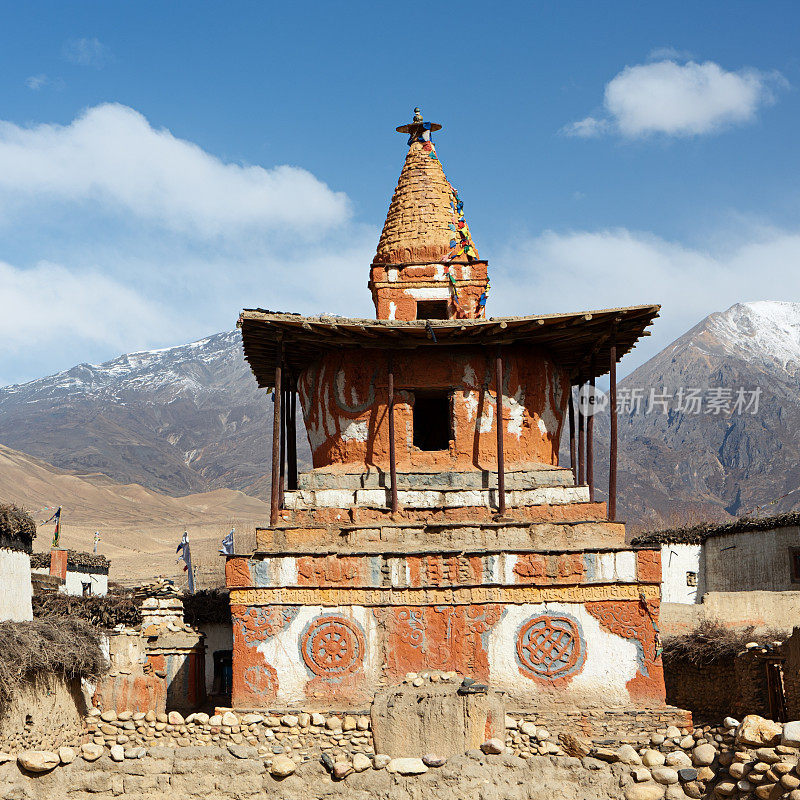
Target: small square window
{"type": "Point", "coordinates": [794, 563]}
{"type": "Point", "coordinates": [432, 309]}
{"type": "Point", "coordinates": [432, 418]}
{"type": "Point", "coordinates": [691, 579]}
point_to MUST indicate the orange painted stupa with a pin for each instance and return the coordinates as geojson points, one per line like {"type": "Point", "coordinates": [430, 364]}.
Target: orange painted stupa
{"type": "Point", "coordinates": [437, 529]}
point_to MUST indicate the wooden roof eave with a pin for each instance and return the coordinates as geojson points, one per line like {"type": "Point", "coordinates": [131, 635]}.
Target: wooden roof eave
{"type": "Point", "coordinates": [571, 339]}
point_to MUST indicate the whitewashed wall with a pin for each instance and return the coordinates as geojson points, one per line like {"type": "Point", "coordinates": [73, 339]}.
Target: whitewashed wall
{"type": "Point", "coordinates": [610, 661]}
{"type": "Point", "coordinates": [282, 650]}
{"type": "Point", "coordinates": [75, 580]}
{"type": "Point", "coordinates": [15, 586]}
{"type": "Point", "coordinates": [676, 561]}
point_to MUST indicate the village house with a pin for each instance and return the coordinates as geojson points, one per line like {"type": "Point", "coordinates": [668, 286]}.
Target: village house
{"type": "Point", "coordinates": [81, 573]}
{"type": "Point", "coordinates": [746, 555]}
{"type": "Point", "coordinates": [437, 529]}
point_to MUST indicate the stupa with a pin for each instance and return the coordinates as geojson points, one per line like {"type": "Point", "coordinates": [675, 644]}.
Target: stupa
{"type": "Point", "coordinates": [437, 529]}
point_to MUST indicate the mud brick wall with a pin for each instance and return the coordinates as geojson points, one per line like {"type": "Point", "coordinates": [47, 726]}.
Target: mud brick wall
{"type": "Point", "coordinates": [733, 686]}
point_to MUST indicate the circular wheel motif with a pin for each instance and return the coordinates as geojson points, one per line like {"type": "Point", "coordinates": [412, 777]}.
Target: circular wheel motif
{"type": "Point", "coordinates": [550, 647]}
{"type": "Point", "coordinates": [333, 647]}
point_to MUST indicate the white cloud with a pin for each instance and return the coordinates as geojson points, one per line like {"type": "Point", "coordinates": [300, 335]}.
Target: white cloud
{"type": "Point", "coordinates": [46, 304]}
{"type": "Point", "coordinates": [116, 236]}
{"type": "Point", "coordinates": [110, 156]}
{"type": "Point", "coordinates": [586, 128]}
{"type": "Point", "coordinates": [86, 52]}
{"type": "Point", "coordinates": [36, 82]}
{"type": "Point", "coordinates": [610, 268]}
{"type": "Point", "coordinates": [679, 99]}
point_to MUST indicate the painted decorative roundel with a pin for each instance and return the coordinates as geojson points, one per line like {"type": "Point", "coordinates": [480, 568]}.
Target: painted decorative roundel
{"type": "Point", "coordinates": [333, 647]}
{"type": "Point", "coordinates": [550, 647]}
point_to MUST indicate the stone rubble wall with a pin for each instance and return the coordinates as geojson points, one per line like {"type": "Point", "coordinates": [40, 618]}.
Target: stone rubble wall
{"type": "Point", "coordinates": [315, 755]}
{"type": "Point", "coordinates": [45, 713]}
{"type": "Point", "coordinates": [735, 685]}
{"type": "Point", "coordinates": [215, 773]}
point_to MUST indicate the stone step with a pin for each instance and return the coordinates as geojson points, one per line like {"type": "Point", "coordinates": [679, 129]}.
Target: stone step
{"type": "Point", "coordinates": [306, 499]}
{"type": "Point", "coordinates": [373, 478]}
{"type": "Point", "coordinates": [380, 536]}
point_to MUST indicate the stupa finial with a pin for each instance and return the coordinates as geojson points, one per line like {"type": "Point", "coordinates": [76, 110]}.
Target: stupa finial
{"type": "Point", "coordinates": [418, 130]}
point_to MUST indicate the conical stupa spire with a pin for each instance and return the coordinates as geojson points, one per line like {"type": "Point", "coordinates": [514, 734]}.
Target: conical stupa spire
{"type": "Point", "coordinates": [425, 221]}
{"type": "Point", "coordinates": [426, 265]}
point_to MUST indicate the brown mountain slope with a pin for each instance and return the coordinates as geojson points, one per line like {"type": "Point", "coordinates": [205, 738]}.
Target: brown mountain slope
{"type": "Point", "coordinates": [139, 528]}
{"type": "Point", "coordinates": [183, 419]}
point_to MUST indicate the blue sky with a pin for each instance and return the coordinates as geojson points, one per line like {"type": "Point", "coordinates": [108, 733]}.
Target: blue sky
{"type": "Point", "coordinates": [164, 164]}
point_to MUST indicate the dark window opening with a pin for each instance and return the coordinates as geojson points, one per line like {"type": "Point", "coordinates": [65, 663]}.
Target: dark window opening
{"type": "Point", "coordinates": [794, 556]}
{"type": "Point", "coordinates": [432, 309]}
{"type": "Point", "coordinates": [691, 579]}
{"type": "Point", "coordinates": [87, 588]}
{"type": "Point", "coordinates": [433, 429]}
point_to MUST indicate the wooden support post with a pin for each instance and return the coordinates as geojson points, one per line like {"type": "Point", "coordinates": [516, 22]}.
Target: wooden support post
{"type": "Point", "coordinates": [501, 467]}
{"type": "Point", "coordinates": [572, 465]}
{"type": "Point", "coordinates": [392, 458]}
{"type": "Point", "coordinates": [590, 432]}
{"type": "Point", "coordinates": [612, 401]}
{"type": "Point", "coordinates": [581, 438]}
{"type": "Point", "coordinates": [284, 421]}
{"type": "Point", "coordinates": [292, 433]}
{"type": "Point", "coordinates": [276, 436]}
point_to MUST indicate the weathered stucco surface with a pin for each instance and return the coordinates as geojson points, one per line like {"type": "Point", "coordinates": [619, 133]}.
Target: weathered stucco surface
{"type": "Point", "coordinates": [214, 773]}
{"type": "Point", "coordinates": [751, 561]}
{"type": "Point", "coordinates": [334, 629]}
{"type": "Point", "coordinates": [344, 399]}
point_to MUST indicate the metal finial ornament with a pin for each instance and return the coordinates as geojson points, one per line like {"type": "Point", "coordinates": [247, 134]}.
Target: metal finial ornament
{"type": "Point", "coordinates": [418, 130]}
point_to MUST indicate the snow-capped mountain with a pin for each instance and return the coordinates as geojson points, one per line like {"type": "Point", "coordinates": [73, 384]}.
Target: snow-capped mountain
{"type": "Point", "coordinates": [179, 420]}
{"type": "Point", "coordinates": [733, 447]}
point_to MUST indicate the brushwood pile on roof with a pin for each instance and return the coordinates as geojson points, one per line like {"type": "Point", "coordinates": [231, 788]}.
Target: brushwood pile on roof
{"type": "Point", "coordinates": [17, 528]}
{"type": "Point", "coordinates": [697, 534]}
{"type": "Point", "coordinates": [77, 561]}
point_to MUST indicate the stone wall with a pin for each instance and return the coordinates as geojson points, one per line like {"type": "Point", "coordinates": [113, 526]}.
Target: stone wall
{"type": "Point", "coordinates": [728, 760]}
{"type": "Point", "coordinates": [215, 773]}
{"type": "Point", "coordinates": [735, 685]}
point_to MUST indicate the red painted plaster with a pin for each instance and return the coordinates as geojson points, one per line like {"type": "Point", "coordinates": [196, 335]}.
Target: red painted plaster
{"type": "Point", "coordinates": [648, 566]}
{"type": "Point", "coordinates": [237, 573]}
{"type": "Point", "coordinates": [633, 619]}
{"type": "Point", "coordinates": [345, 407]}
{"type": "Point", "coordinates": [439, 637]}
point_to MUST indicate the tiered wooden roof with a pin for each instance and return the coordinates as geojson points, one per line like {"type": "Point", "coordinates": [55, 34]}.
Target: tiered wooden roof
{"type": "Point", "coordinates": [571, 339]}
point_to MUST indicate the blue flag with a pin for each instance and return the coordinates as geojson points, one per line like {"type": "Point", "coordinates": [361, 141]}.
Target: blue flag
{"type": "Point", "coordinates": [227, 544]}
{"type": "Point", "coordinates": [186, 557]}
